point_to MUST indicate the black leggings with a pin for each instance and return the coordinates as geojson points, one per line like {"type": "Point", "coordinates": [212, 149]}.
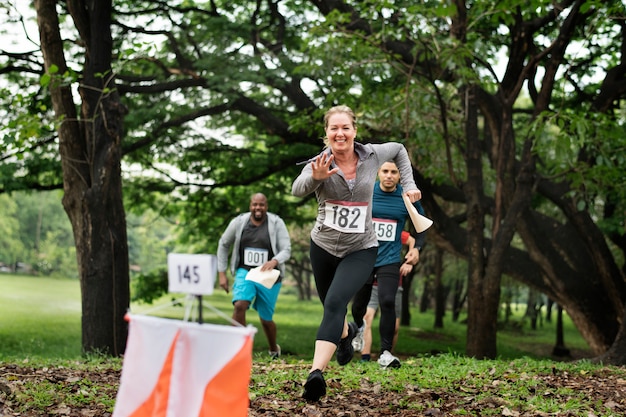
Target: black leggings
{"type": "Point", "coordinates": [337, 280]}
{"type": "Point", "coordinates": [388, 278]}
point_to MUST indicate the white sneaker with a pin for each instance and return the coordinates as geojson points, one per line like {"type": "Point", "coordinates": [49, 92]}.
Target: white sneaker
{"type": "Point", "coordinates": [275, 355]}
{"type": "Point", "coordinates": [358, 342]}
{"type": "Point", "coordinates": [387, 360]}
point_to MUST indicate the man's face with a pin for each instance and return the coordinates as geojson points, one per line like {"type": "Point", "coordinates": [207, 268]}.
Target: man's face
{"type": "Point", "coordinates": [258, 207]}
{"type": "Point", "coordinates": [389, 176]}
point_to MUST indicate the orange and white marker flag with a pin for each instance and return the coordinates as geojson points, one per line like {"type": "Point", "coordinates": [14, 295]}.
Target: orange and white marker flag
{"type": "Point", "coordinates": [175, 368]}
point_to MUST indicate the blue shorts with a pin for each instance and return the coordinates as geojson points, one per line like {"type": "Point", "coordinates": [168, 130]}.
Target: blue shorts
{"type": "Point", "coordinates": [261, 298]}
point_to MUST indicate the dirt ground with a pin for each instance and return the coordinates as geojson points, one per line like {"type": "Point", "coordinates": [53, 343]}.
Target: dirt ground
{"type": "Point", "coordinates": [607, 390]}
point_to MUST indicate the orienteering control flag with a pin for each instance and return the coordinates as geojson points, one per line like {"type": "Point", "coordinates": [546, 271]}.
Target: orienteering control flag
{"type": "Point", "coordinates": [176, 368]}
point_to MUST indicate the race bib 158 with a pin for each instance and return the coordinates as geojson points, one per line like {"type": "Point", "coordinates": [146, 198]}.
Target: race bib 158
{"type": "Point", "coordinates": [385, 229]}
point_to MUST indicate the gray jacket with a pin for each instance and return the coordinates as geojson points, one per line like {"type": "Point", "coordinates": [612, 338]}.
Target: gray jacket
{"type": "Point", "coordinates": [231, 238]}
{"type": "Point", "coordinates": [371, 157]}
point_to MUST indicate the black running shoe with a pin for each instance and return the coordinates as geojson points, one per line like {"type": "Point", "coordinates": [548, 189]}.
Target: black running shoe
{"type": "Point", "coordinates": [315, 386]}
{"type": "Point", "coordinates": [345, 350]}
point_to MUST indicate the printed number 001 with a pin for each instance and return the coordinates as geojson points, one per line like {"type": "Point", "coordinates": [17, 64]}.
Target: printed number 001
{"type": "Point", "coordinates": [255, 258]}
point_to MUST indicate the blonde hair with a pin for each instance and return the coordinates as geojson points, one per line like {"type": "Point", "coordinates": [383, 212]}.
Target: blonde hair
{"type": "Point", "coordinates": [338, 109]}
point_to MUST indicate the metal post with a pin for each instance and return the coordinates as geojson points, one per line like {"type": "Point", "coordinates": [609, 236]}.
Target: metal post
{"type": "Point", "coordinates": [199, 309]}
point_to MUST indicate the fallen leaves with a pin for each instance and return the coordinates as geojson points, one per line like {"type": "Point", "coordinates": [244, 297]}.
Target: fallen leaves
{"type": "Point", "coordinates": [369, 400]}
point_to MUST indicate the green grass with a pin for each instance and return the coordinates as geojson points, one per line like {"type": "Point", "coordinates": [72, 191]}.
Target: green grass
{"type": "Point", "coordinates": [40, 327]}
{"type": "Point", "coordinates": [41, 319]}
{"type": "Point", "coordinates": [456, 384]}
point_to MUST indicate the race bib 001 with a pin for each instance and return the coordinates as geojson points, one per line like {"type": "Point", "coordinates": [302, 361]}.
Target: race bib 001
{"type": "Point", "coordinates": [255, 256]}
{"type": "Point", "coordinates": [385, 229]}
{"type": "Point", "coordinates": [345, 216]}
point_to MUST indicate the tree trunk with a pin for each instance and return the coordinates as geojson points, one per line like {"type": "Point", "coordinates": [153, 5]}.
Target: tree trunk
{"type": "Point", "coordinates": [507, 300]}
{"type": "Point", "coordinates": [616, 354]}
{"type": "Point", "coordinates": [440, 300]}
{"type": "Point", "coordinates": [559, 348]}
{"type": "Point", "coordinates": [90, 151]}
{"type": "Point", "coordinates": [458, 298]}
{"type": "Point", "coordinates": [482, 290]}
{"type": "Point", "coordinates": [558, 253]}
{"type": "Point", "coordinates": [531, 308]}
{"type": "Point", "coordinates": [549, 306]}
{"type": "Point", "coordinates": [424, 299]}
{"type": "Point", "coordinates": [563, 279]}
{"type": "Point", "coordinates": [301, 272]}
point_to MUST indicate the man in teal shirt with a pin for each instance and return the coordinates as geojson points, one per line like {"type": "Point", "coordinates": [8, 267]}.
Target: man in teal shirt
{"type": "Point", "coordinates": [389, 216]}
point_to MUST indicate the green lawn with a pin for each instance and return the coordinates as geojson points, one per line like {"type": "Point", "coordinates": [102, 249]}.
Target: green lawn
{"type": "Point", "coordinates": [40, 328]}
{"type": "Point", "coordinates": [41, 319]}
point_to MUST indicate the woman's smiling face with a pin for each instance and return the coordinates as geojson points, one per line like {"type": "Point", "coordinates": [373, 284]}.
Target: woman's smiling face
{"type": "Point", "coordinates": [340, 132]}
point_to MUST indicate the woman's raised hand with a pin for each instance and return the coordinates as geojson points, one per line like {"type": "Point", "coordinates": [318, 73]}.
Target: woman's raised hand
{"type": "Point", "coordinates": [321, 165]}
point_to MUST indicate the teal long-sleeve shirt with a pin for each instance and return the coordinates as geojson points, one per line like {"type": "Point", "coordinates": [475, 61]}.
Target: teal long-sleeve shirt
{"type": "Point", "coordinates": [389, 215]}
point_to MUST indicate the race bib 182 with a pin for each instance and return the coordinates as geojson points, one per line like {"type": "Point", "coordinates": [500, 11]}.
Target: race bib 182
{"type": "Point", "coordinates": [346, 216]}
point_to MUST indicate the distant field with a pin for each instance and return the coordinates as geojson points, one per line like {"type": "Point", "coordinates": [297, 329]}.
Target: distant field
{"type": "Point", "coordinates": [40, 318]}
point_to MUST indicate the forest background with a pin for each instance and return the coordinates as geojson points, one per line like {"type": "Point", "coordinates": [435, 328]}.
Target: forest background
{"type": "Point", "coordinates": [177, 111]}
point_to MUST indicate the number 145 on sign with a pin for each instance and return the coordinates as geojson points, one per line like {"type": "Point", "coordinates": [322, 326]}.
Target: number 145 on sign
{"type": "Point", "coordinates": [191, 273]}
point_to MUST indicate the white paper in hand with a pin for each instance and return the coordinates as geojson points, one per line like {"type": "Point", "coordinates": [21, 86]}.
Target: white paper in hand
{"type": "Point", "coordinates": [420, 222]}
{"type": "Point", "coordinates": [265, 278]}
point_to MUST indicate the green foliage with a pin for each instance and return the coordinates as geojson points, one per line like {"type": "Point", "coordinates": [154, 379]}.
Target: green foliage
{"type": "Point", "coordinates": [28, 147]}
{"type": "Point", "coordinates": [233, 94]}
{"type": "Point", "coordinates": [38, 233]}
{"type": "Point", "coordinates": [57, 255]}
{"type": "Point", "coordinates": [151, 236]}
{"type": "Point", "coordinates": [588, 150]}
{"type": "Point", "coordinates": [148, 287]}
{"type": "Point", "coordinates": [195, 143]}
{"type": "Point", "coordinates": [11, 247]}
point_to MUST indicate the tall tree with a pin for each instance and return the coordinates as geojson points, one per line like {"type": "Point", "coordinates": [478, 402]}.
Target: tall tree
{"type": "Point", "coordinates": [90, 151]}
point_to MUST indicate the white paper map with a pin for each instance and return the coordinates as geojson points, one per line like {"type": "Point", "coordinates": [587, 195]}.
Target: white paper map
{"type": "Point", "coordinates": [265, 278]}
{"type": "Point", "coordinates": [420, 222]}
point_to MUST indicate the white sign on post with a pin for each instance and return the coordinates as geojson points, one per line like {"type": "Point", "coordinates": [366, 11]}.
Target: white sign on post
{"type": "Point", "coordinates": [191, 273]}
